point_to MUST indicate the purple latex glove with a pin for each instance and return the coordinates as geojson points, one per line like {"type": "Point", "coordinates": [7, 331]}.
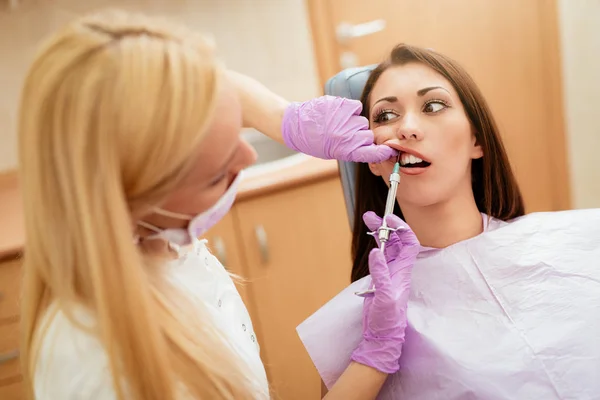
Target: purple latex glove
{"type": "Point", "coordinates": [331, 127]}
{"type": "Point", "coordinates": [384, 312]}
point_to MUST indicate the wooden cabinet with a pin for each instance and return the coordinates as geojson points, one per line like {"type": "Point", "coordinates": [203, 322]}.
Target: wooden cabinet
{"type": "Point", "coordinates": [10, 378]}
{"type": "Point", "coordinates": [288, 239]}
{"type": "Point", "coordinates": [292, 248]}
{"type": "Point", "coordinates": [296, 246]}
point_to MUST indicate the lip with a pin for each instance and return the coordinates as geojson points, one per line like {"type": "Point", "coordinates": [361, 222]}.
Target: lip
{"type": "Point", "coordinates": [411, 151]}
{"type": "Point", "coordinates": [412, 171]}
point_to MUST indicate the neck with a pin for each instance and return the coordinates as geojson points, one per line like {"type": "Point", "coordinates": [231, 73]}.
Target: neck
{"type": "Point", "coordinates": [443, 224]}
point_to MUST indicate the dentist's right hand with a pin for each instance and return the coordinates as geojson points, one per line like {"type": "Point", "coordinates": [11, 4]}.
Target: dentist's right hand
{"type": "Point", "coordinates": [384, 312]}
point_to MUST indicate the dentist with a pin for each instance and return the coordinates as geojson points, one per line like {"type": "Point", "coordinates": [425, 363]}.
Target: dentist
{"type": "Point", "coordinates": [130, 150]}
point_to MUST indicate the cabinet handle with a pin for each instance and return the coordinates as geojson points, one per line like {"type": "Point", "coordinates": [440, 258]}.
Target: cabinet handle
{"type": "Point", "coordinates": [11, 355]}
{"type": "Point", "coordinates": [263, 245]}
{"type": "Point", "coordinates": [346, 32]}
{"type": "Point", "coordinates": [219, 245]}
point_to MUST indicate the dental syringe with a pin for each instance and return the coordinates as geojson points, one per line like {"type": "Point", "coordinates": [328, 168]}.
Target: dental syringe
{"type": "Point", "coordinates": [384, 231]}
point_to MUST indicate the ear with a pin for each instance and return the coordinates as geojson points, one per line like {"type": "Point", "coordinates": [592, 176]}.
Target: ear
{"type": "Point", "coordinates": [477, 150]}
{"type": "Point", "coordinates": [375, 169]}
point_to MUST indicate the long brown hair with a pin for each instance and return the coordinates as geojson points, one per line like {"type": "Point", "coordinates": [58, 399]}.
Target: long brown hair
{"type": "Point", "coordinates": [494, 186]}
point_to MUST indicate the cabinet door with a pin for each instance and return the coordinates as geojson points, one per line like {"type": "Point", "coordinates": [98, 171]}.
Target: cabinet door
{"type": "Point", "coordinates": [12, 391]}
{"type": "Point", "coordinates": [297, 248]}
{"type": "Point", "coordinates": [10, 286]}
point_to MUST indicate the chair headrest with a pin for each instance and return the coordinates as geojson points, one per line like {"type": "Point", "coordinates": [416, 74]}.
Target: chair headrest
{"type": "Point", "coordinates": [350, 84]}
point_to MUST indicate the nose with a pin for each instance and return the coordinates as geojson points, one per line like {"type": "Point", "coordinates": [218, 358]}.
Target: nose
{"type": "Point", "coordinates": [409, 128]}
{"type": "Point", "coordinates": [246, 156]}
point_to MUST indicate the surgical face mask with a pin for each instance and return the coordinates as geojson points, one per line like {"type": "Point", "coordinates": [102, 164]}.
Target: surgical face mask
{"type": "Point", "coordinates": [200, 223]}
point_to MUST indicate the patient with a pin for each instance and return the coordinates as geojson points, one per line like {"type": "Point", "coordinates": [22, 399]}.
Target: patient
{"type": "Point", "coordinates": [502, 305]}
{"type": "Point", "coordinates": [453, 164]}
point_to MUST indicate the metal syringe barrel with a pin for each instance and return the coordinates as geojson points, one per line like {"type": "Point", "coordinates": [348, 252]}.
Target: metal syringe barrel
{"type": "Point", "coordinates": [384, 233]}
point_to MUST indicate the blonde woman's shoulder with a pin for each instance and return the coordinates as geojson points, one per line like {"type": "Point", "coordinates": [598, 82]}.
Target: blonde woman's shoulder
{"type": "Point", "coordinates": [72, 363]}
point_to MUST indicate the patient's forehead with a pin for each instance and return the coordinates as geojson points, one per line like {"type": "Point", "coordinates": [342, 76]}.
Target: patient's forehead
{"type": "Point", "coordinates": [404, 81]}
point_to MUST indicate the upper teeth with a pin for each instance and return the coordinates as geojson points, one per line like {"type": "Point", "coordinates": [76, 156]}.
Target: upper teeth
{"type": "Point", "coordinates": [406, 158]}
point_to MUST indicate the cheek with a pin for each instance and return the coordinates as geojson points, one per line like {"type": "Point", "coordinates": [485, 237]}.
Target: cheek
{"type": "Point", "coordinates": [382, 171]}
{"type": "Point", "coordinates": [455, 157]}
{"type": "Point", "coordinates": [451, 149]}
{"type": "Point", "coordinates": [455, 141]}
{"type": "Point", "coordinates": [384, 133]}
{"type": "Point", "coordinates": [191, 200]}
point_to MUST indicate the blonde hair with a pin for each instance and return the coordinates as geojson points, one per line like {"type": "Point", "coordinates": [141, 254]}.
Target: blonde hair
{"type": "Point", "coordinates": [112, 109]}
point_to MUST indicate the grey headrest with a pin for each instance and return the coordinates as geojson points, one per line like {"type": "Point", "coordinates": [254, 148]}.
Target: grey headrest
{"type": "Point", "coordinates": [350, 84]}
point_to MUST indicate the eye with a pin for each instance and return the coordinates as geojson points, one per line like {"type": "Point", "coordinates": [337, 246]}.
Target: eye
{"type": "Point", "coordinates": [218, 180]}
{"type": "Point", "coordinates": [434, 106]}
{"type": "Point", "coordinates": [384, 116]}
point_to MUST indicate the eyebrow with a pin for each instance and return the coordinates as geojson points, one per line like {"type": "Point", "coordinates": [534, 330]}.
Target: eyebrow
{"type": "Point", "coordinates": [420, 92]}
{"type": "Point", "coordinates": [389, 99]}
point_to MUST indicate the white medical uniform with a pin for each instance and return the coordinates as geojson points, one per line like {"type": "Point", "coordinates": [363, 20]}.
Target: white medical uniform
{"type": "Point", "coordinates": [73, 365]}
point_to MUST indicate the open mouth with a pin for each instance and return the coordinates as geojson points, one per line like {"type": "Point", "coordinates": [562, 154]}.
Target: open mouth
{"type": "Point", "coordinates": [410, 161]}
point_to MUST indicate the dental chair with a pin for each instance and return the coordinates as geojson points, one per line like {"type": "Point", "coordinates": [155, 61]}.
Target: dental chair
{"type": "Point", "coordinates": [349, 83]}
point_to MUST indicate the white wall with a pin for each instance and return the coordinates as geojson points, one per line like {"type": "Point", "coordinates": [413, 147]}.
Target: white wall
{"type": "Point", "coordinates": [267, 39]}
{"type": "Point", "coordinates": [580, 37]}
{"type": "Point", "coordinates": [270, 40]}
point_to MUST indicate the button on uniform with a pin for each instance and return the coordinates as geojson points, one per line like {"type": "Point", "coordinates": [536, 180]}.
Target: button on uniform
{"type": "Point", "coordinates": [221, 292]}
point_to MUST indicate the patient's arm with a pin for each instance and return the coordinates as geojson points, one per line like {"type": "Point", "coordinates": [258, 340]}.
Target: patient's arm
{"type": "Point", "coordinates": [357, 382]}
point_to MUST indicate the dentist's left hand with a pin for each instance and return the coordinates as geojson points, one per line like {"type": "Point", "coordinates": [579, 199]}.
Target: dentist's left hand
{"type": "Point", "coordinates": [325, 127]}
{"type": "Point", "coordinates": [331, 127]}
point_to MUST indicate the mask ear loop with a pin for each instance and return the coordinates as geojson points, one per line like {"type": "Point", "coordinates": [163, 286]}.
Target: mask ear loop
{"type": "Point", "coordinates": [149, 226]}
{"type": "Point", "coordinates": [157, 230]}
{"type": "Point", "coordinates": [172, 214]}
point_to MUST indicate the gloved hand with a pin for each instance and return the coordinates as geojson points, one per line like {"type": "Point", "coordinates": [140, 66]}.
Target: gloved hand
{"type": "Point", "coordinates": [331, 127]}
{"type": "Point", "coordinates": [384, 312]}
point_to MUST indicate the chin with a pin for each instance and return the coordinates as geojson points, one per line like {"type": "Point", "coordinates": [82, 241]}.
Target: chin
{"type": "Point", "coordinates": [419, 196]}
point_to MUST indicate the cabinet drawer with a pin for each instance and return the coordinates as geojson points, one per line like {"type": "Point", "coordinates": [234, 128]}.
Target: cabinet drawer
{"type": "Point", "coordinates": [10, 286]}
{"type": "Point", "coordinates": [12, 391]}
{"type": "Point", "coordinates": [9, 351]}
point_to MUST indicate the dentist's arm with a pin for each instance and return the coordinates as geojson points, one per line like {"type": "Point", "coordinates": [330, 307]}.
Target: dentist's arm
{"type": "Point", "coordinates": [384, 314]}
{"type": "Point", "coordinates": [325, 127]}
{"type": "Point", "coordinates": [263, 110]}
